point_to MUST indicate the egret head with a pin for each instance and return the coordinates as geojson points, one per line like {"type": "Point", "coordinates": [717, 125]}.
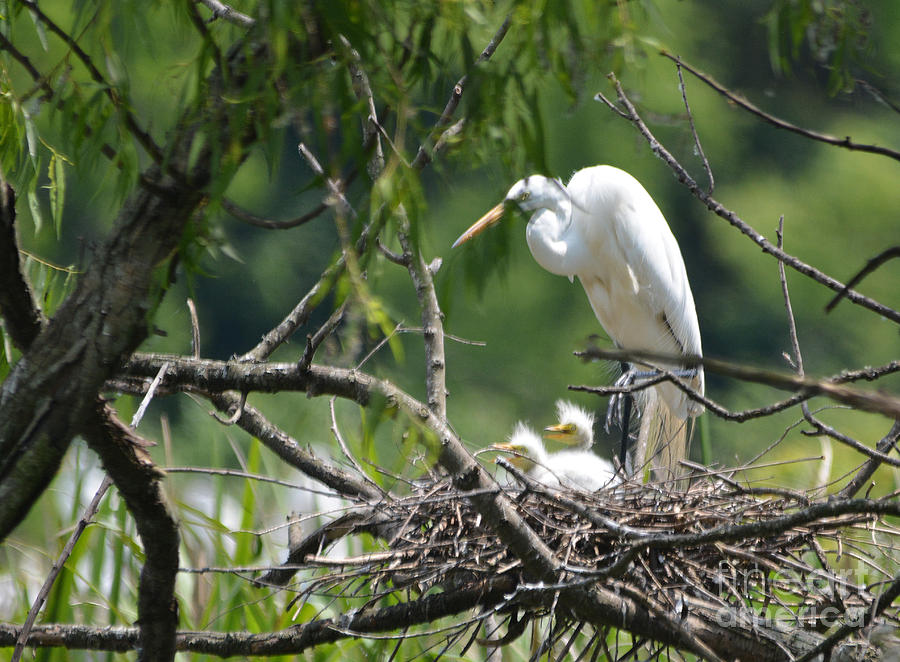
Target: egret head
{"type": "Point", "coordinates": [575, 427]}
{"type": "Point", "coordinates": [525, 447]}
{"type": "Point", "coordinates": [533, 192]}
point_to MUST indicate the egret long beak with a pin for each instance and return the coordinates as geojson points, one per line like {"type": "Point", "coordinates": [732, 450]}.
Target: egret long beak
{"type": "Point", "coordinates": [503, 447]}
{"type": "Point", "coordinates": [482, 224]}
{"type": "Point", "coordinates": [561, 431]}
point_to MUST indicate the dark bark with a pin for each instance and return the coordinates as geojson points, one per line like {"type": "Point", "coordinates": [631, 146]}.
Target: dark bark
{"type": "Point", "coordinates": [139, 482]}
{"type": "Point", "coordinates": [22, 318]}
{"type": "Point", "coordinates": [51, 391]}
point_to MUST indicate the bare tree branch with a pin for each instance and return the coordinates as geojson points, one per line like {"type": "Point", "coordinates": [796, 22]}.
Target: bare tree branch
{"type": "Point", "coordinates": [697, 143]}
{"type": "Point", "coordinates": [291, 451]}
{"type": "Point", "coordinates": [432, 326]}
{"type": "Point", "coordinates": [292, 640]}
{"type": "Point", "coordinates": [738, 100]}
{"type": "Point", "coordinates": [869, 267]}
{"type": "Point", "coordinates": [143, 137]}
{"type": "Point", "coordinates": [873, 401]}
{"type": "Point", "coordinates": [252, 219]}
{"type": "Point", "coordinates": [223, 11]}
{"type": "Point", "coordinates": [884, 446]}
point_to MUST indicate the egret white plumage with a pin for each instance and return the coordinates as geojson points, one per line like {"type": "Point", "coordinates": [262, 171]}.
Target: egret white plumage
{"type": "Point", "coordinates": [604, 228]}
{"type": "Point", "coordinates": [579, 469]}
{"type": "Point", "coordinates": [575, 426]}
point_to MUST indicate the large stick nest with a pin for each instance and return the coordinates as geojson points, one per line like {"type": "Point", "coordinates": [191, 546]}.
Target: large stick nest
{"type": "Point", "coordinates": [673, 551]}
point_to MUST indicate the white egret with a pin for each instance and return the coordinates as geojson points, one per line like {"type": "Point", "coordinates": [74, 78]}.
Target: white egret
{"type": "Point", "coordinates": [579, 469]}
{"type": "Point", "coordinates": [604, 228]}
{"type": "Point", "coordinates": [575, 426]}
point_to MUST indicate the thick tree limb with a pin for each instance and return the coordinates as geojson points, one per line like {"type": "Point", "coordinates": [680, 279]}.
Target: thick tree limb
{"type": "Point", "coordinates": [50, 393]}
{"type": "Point", "coordinates": [292, 640]}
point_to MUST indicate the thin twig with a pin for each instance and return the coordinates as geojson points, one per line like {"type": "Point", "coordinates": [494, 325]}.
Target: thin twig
{"type": "Point", "coordinates": [363, 90]}
{"type": "Point", "coordinates": [396, 258]}
{"type": "Point", "coordinates": [870, 266]}
{"type": "Point", "coordinates": [690, 116]}
{"type": "Point", "coordinates": [229, 14]}
{"type": "Point", "coordinates": [873, 401]}
{"type": "Point", "coordinates": [885, 445]}
{"type": "Point", "coordinates": [313, 341]}
{"type": "Point", "coordinates": [334, 186]}
{"type": "Point", "coordinates": [195, 328]}
{"type": "Point", "coordinates": [423, 156]}
{"type": "Point", "coordinates": [56, 568]}
{"type": "Point", "coordinates": [235, 416]}
{"type": "Point", "coordinates": [779, 123]}
{"type": "Point", "coordinates": [142, 408]}
{"type": "Point", "coordinates": [252, 219]}
{"type": "Point", "coordinates": [798, 361]}
{"type": "Point", "coordinates": [112, 92]}
{"type": "Point", "coordinates": [336, 431]}
{"type": "Point", "coordinates": [49, 92]}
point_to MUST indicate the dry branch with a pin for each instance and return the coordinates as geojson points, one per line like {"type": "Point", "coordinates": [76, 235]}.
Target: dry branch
{"type": "Point", "coordinates": [872, 401]}
{"type": "Point", "coordinates": [740, 101]}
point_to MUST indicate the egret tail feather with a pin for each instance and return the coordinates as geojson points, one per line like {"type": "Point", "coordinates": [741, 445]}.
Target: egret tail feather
{"type": "Point", "coordinates": [663, 439]}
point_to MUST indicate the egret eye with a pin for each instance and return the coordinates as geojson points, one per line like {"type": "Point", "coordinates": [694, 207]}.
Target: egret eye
{"type": "Point", "coordinates": [524, 195]}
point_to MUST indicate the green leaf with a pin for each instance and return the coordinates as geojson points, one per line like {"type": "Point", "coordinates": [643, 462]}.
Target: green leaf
{"type": "Point", "coordinates": [57, 174]}
{"type": "Point", "coordinates": [34, 205]}
{"type": "Point", "coordinates": [31, 136]}
{"type": "Point", "coordinates": [41, 32]}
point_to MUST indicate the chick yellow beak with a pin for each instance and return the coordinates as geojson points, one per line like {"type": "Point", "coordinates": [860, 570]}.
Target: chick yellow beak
{"type": "Point", "coordinates": [561, 431]}
{"type": "Point", "coordinates": [482, 224]}
{"type": "Point", "coordinates": [518, 458]}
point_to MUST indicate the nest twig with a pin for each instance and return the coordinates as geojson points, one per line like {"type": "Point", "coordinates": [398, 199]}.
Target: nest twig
{"type": "Point", "coordinates": [731, 555]}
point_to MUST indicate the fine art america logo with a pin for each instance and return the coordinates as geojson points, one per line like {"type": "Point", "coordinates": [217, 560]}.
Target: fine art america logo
{"type": "Point", "coordinates": [792, 598]}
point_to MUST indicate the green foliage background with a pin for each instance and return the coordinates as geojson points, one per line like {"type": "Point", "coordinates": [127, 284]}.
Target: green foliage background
{"type": "Point", "coordinates": [530, 109]}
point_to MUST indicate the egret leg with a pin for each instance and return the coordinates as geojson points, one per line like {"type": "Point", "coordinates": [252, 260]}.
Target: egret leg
{"type": "Point", "coordinates": [615, 412]}
{"type": "Point", "coordinates": [619, 411]}
{"type": "Point", "coordinates": [627, 405]}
